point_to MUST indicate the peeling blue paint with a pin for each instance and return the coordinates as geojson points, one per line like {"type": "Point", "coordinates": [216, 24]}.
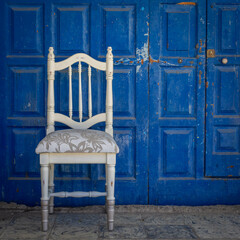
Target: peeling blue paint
{"type": "Point", "coordinates": [142, 53]}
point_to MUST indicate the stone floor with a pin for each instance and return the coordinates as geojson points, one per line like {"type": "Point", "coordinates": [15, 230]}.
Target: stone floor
{"type": "Point", "coordinates": [131, 222]}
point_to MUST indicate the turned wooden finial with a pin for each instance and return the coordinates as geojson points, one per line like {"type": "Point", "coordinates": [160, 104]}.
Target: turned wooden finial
{"type": "Point", "coordinates": [109, 60]}
{"type": "Point", "coordinates": [109, 52]}
{"type": "Point", "coordinates": [50, 50]}
{"type": "Point", "coordinates": [50, 53]}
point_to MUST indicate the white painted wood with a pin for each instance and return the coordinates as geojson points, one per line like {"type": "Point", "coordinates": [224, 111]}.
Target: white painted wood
{"type": "Point", "coordinates": [109, 97]}
{"type": "Point", "coordinates": [45, 196]}
{"type": "Point", "coordinates": [51, 175]}
{"type": "Point", "coordinates": [106, 177]}
{"type": "Point", "coordinates": [80, 91]}
{"type": "Point", "coordinates": [89, 92]}
{"type": "Point", "coordinates": [110, 195]}
{"type": "Point", "coordinates": [77, 158]}
{"type": "Point", "coordinates": [51, 187]}
{"type": "Point", "coordinates": [44, 181]}
{"type": "Point", "coordinates": [80, 125]}
{"type": "Point", "coordinates": [49, 159]}
{"type": "Point", "coordinates": [111, 177]}
{"type": "Point", "coordinates": [44, 158]}
{"type": "Point", "coordinates": [52, 67]}
{"type": "Point", "coordinates": [80, 57]}
{"type": "Point", "coordinates": [50, 99]}
{"type": "Point", "coordinates": [70, 92]}
{"type": "Point", "coordinates": [79, 194]}
{"type": "Point", "coordinates": [111, 158]}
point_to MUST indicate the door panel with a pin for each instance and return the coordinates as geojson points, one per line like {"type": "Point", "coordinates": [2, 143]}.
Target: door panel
{"type": "Point", "coordinates": [177, 29]}
{"type": "Point", "coordinates": [223, 98]}
{"type": "Point", "coordinates": [176, 130]}
{"type": "Point", "coordinates": [29, 29]}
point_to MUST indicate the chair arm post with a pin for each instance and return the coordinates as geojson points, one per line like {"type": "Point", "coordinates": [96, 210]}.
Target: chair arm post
{"type": "Point", "coordinates": [109, 95]}
{"type": "Point", "coordinates": [50, 100]}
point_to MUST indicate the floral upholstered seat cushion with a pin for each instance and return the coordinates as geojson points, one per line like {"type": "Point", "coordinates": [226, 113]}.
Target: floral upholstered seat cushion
{"type": "Point", "coordinates": [79, 141]}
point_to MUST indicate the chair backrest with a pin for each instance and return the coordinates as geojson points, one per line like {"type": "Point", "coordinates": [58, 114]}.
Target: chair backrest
{"type": "Point", "coordinates": [53, 66]}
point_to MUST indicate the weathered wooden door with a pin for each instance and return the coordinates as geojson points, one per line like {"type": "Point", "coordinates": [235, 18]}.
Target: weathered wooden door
{"type": "Point", "coordinates": [193, 140]}
{"type": "Point", "coordinates": [28, 29]}
{"type": "Point", "coordinates": [223, 86]}
{"type": "Point", "coordinates": [177, 62]}
{"type": "Point", "coordinates": [176, 110]}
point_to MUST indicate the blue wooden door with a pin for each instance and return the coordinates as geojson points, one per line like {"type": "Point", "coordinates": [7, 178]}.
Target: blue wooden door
{"type": "Point", "coordinates": [177, 99]}
{"type": "Point", "coordinates": [194, 116]}
{"type": "Point", "coordinates": [28, 29]}
{"type": "Point", "coordinates": [223, 97]}
{"type": "Point", "coordinates": [176, 108]}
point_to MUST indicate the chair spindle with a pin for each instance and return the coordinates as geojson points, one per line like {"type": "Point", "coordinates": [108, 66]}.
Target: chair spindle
{"type": "Point", "coordinates": [89, 92]}
{"type": "Point", "coordinates": [80, 91]}
{"type": "Point", "coordinates": [70, 92]}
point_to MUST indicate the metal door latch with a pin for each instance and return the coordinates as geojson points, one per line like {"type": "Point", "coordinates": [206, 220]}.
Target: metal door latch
{"type": "Point", "coordinates": [210, 53]}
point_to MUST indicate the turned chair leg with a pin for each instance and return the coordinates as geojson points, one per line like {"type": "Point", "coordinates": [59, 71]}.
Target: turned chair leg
{"type": "Point", "coordinates": [110, 195]}
{"type": "Point", "coordinates": [51, 188]}
{"type": "Point", "coordinates": [106, 170]}
{"type": "Point", "coordinates": [45, 197]}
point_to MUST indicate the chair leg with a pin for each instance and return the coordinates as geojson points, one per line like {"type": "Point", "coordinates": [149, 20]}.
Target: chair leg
{"type": "Point", "coordinates": [110, 195]}
{"type": "Point", "coordinates": [106, 170]}
{"type": "Point", "coordinates": [51, 188]}
{"type": "Point", "coordinates": [45, 197]}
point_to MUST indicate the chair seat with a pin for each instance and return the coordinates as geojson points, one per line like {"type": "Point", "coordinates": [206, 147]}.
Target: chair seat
{"type": "Point", "coordinates": [77, 141]}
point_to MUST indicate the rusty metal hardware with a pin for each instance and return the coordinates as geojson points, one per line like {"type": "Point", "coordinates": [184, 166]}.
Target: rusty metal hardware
{"type": "Point", "coordinates": [210, 53]}
{"type": "Point", "coordinates": [180, 60]}
{"type": "Point", "coordinates": [187, 3]}
{"type": "Point", "coordinates": [224, 61]}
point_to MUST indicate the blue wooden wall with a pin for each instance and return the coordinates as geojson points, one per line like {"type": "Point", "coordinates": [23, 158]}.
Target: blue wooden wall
{"type": "Point", "coordinates": [176, 110]}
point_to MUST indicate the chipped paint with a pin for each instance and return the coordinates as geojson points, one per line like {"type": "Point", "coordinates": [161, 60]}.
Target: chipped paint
{"type": "Point", "coordinates": [202, 20]}
{"type": "Point", "coordinates": [142, 53]}
{"type": "Point", "coordinates": [124, 61]}
{"type": "Point", "coordinates": [164, 63]}
{"type": "Point", "coordinates": [151, 60]}
{"type": "Point", "coordinates": [200, 77]}
{"type": "Point", "coordinates": [142, 56]}
{"type": "Point", "coordinates": [187, 3]}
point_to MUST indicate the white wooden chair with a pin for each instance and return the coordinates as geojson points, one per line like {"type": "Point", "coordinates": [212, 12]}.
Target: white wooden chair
{"type": "Point", "coordinates": [78, 145]}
